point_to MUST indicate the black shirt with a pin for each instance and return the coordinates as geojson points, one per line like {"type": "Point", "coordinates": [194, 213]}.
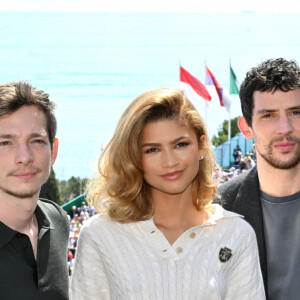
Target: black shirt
{"type": "Point", "coordinates": [24, 278]}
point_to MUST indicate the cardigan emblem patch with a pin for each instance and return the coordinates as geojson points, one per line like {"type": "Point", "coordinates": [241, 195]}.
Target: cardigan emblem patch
{"type": "Point", "coordinates": [224, 254]}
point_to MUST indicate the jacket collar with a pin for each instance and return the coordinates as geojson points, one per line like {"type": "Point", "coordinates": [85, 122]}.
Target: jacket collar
{"type": "Point", "coordinates": [44, 223]}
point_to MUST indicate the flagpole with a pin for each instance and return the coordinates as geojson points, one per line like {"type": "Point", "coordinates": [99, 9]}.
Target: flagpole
{"type": "Point", "coordinates": [205, 118]}
{"type": "Point", "coordinates": [229, 127]}
{"type": "Point", "coordinates": [229, 121]}
{"type": "Point", "coordinates": [205, 113]}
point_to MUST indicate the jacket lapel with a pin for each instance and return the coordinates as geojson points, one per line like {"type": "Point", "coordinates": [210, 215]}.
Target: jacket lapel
{"type": "Point", "coordinates": [248, 204]}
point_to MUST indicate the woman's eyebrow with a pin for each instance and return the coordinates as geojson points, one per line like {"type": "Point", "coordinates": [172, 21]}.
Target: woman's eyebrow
{"type": "Point", "coordinates": [158, 144]}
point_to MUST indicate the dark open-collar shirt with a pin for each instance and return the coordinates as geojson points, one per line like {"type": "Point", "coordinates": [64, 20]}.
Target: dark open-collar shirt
{"type": "Point", "coordinates": [22, 277]}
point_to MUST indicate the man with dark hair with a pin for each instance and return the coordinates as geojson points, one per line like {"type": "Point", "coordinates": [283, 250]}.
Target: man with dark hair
{"type": "Point", "coordinates": [33, 232]}
{"type": "Point", "coordinates": [269, 194]}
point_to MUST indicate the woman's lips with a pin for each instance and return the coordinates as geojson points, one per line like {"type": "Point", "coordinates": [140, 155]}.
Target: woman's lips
{"type": "Point", "coordinates": [173, 175]}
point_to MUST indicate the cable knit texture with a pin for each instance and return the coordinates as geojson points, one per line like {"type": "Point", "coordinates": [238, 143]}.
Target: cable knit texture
{"type": "Point", "coordinates": [135, 261]}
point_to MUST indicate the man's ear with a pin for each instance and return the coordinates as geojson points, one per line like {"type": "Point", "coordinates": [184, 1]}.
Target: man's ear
{"type": "Point", "coordinates": [54, 151]}
{"type": "Point", "coordinates": [245, 129]}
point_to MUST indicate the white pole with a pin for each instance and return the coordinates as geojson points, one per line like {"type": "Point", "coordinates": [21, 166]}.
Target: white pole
{"type": "Point", "coordinates": [229, 121]}
{"type": "Point", "coordinates": [229, 137]}
{"type": "Point", "coordinates": [229, 127]}
{"type": "Point", "coordinates": [205, 86]}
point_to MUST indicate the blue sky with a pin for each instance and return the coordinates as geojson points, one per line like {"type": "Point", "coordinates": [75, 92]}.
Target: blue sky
{"type": "Point", "coordinates": [270, 6]}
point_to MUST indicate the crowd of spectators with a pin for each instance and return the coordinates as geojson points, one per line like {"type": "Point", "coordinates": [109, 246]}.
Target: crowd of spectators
{"type": "Point", "coordinates": [77, 217]}
{"type": "Point", "coordinates": [241, 164]}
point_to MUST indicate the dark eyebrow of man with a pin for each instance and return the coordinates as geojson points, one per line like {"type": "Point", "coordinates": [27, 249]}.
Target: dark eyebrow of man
{"type": "Point", "coordinates": [6, 136]}
{"type": "Point", "coordinates": [38, 135]}
{"type": "Point", "coordinates": [157, 144]}
{"type": "Point", "coordinates": [11, 136]}
{"type": "Point", "coordinates": [294, 107]}
{"type": "Point", "coordinates": [274, 110]}
{"type": "Point", "coordinates": [263, 111]}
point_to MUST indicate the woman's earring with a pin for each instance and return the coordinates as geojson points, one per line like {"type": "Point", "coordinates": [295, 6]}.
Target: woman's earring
{"type": "Point", "coordinates": [201, 157]}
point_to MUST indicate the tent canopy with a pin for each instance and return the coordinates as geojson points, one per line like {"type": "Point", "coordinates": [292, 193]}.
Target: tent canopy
{"type": "Point", "coordinates": [74, 202]}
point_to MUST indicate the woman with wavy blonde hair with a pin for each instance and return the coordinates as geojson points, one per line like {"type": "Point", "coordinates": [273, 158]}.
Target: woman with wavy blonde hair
{"type": "Point", "coordinates": [158, 236]}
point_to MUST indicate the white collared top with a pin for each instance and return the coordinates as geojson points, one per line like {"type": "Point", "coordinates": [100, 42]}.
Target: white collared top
{"type": "Point", "coordinates": [216, 260]}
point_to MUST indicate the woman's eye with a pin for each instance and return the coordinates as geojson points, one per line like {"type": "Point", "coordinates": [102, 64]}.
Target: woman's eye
{"type": "Point", "coordinates": [151, 150]}
{"type": "Point", "coordinates": [182, 144]}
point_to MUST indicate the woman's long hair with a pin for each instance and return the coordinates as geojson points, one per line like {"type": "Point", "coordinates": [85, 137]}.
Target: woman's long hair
{"type": "Point", "coordinates": [119, 189]}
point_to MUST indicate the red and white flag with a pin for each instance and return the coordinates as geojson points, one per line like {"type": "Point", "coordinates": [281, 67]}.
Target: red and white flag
{"type": "Point", "coordinates": [210, 80]}
{"type": "Point", "coordinates": [192, 87]}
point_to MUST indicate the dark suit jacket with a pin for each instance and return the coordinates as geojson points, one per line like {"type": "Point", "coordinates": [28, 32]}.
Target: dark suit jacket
{"type": "Point", "coordinates": [46, 278]}
{"type": "Point", "coordinates": [241, 195]}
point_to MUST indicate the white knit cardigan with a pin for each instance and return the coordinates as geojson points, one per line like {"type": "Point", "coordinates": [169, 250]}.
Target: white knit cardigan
{"type": "Point", "coordinates": [135, 261]}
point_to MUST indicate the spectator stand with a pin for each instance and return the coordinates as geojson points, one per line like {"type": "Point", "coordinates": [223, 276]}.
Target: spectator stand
{"type": "Point", "coordinates": [78, 213]}
{"type": "Point", "coordinates": [223, 153]}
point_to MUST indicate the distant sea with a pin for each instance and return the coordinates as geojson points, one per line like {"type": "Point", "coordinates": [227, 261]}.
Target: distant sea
{"type": "Point", "coordinates": [94, 64]}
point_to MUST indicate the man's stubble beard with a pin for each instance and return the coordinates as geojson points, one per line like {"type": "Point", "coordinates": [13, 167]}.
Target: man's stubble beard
{"type": "Point", "coordinates": [275, 162]}
{"type": "Point", "coordinates": [28, 194]}
{"type": "Point", "coordinates": [20, 195]}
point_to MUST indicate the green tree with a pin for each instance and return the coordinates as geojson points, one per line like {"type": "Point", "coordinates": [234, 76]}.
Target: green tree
{"type": "Point", "coordinates": [223, 132]}
{"type": "Point", "coordinates": [71, 188]}
{"type": "Point", "coordinates": [50, 189]}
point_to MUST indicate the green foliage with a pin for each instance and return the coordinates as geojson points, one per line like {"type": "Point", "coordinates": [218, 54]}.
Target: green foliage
{"type": "Point", "coordinates": [223, 132]}
{"type": "Point", "coordinates": [62, 191]}
{"type": "Point", "coordinates": [71, 188]}
{"type": "Point", "coordinates": [50, 189]}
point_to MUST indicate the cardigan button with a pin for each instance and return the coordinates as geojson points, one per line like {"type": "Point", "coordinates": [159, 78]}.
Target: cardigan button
{"type": "Point", "coordinates": [192, 235]}
{"type": "Point", "coordinates": [179, 250]}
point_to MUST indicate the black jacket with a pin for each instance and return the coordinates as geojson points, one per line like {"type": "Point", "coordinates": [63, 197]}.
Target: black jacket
{"type": "Point", "coordinates": [241, 195]}
{"type": "Point", "coordinates": [22, 277]}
